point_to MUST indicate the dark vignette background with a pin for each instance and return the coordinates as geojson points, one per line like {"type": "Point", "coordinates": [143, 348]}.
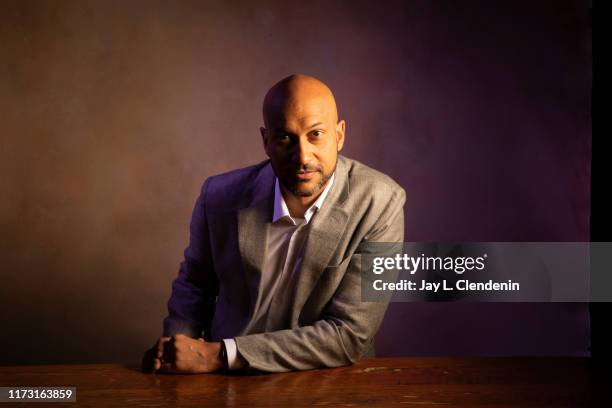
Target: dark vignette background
{"type": "Point", "coordinates": [112, 113]}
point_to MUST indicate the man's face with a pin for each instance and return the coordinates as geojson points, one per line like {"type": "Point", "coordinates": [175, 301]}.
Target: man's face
{"type": "Point", "coordinates": [302, 140]}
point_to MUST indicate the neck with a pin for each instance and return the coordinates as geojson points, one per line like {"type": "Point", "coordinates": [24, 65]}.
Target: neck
{"type": "Point", "coordinates": [298, 205]}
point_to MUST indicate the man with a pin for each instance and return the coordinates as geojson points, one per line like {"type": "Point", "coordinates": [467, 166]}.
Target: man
{"type": "Point", "coordinates": [271, 276]}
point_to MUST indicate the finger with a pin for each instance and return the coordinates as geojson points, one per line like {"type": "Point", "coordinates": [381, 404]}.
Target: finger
{"type": "Point", "coordinates": [160, 341]}
{"type": "Point", "coordinates": [148, 362]}
{"type": "Point", "coordinates": [167, 368]}
{"type": "Point", "coordinates": [159, 346]}
{"type": "Point", "coordinates": [151, 366]}
{"type": "Point", "coordinates": [168, 354]}
{"type": "Point", "coordinates": [159, 350]}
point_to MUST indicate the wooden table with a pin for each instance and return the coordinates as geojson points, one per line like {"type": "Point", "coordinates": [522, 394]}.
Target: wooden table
{"type": "Point", "coordinates": [388, 382]}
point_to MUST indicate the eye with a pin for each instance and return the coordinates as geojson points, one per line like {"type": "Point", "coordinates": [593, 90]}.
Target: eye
{"type": "Point", "coordinates": [317, 133]}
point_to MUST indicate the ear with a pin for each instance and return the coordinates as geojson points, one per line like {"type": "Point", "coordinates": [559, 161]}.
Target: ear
{"type": "Point", "coordinates": [264, 139]}
{"type": "Point", "coordinates": [340, 129]}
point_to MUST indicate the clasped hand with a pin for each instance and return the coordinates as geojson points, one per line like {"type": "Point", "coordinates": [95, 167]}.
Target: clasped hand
{"type": "Point", "coordinates": [181, 354]}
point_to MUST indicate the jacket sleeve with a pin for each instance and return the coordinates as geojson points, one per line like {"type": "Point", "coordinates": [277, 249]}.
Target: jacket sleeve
{"type": "Point", "coordinates": [347, 325]}
{"type": "Point", "coordinates": [194, 291]}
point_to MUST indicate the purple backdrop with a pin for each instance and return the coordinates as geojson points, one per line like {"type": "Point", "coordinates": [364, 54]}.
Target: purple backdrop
{"type": "Point", "coordinates": [113, 113]}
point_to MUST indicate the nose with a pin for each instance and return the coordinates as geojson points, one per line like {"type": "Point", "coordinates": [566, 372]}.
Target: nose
{"type": "Point", "coordinates": [303, 152]}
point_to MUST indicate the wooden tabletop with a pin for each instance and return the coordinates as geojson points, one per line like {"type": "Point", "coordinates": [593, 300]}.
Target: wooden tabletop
{"type": "Point", "coordinates": [384, 382]}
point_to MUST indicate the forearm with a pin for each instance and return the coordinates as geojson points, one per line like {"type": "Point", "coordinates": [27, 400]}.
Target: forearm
{"type": "Point", "coordinates": [194, 291]}
{"type": "Point", "coordinates": [190, 308]}
{"type": "Point", "coordinates": [329, 342]}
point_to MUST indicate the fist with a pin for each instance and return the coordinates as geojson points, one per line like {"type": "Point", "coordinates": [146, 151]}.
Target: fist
{"type": "Point", "coordinates": [183, 355]}
{"type": "Point", "coordinates": [151, 361]}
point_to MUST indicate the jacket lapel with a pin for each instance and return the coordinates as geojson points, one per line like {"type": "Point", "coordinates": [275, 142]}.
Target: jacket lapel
{"type": "Point", "coordinates": [326, 230]}
{"type": "Point", "coordinates": [253, 225]}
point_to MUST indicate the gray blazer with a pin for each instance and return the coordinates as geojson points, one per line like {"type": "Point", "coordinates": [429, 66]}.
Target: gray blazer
{"type": "Point", "coordinates": [217, 291]}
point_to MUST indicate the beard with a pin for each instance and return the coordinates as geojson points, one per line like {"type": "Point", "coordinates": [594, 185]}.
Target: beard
{"type": "Point", "coordinates": [291, 184]}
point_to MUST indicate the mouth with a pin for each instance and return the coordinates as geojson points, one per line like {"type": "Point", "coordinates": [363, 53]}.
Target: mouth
{"type": "Point", "coordinates": [304, 175]}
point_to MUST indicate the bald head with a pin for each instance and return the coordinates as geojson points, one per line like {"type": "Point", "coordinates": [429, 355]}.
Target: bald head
{"type": "Point", "coordinates": [295, 94]}
{"type": "Point", "coordinates": [302, 136]}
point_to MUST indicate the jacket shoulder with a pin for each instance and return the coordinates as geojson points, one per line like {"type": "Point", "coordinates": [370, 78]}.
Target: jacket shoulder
{"type": "Point", "coordinates": [230, 188]}
{"type": "Point", "coordinates": [367, 183]}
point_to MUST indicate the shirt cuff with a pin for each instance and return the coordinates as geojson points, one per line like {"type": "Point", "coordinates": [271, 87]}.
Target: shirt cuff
{"type": "Point", "coordinates": [233, 362]}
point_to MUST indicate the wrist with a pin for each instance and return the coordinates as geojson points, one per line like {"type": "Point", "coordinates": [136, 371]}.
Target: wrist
{"type": "Point", "coordinates": [222, 357]}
